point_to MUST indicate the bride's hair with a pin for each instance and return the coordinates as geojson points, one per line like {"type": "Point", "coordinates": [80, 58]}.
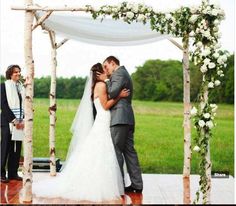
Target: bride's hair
{"type": "Point", "coordinates": [95, 68]}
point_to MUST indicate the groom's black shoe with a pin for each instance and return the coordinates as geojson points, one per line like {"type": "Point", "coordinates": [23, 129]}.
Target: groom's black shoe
{"type": "Point", "coordinates": [132, 189]}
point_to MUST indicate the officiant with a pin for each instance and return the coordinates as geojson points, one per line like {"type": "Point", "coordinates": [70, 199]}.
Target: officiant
{"type": "Point", "coordinates": [12, 115]}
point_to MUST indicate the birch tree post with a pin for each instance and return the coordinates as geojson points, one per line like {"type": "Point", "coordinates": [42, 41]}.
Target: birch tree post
{"type": "Point", "coordinates": [208, 174]}
{"type": "Point", "coordinates": [53, 106]}
{"type": "Point", "coordinates": [207, 157]}
{"type": "Point", "coordinates": [29, 89]}
{"type": "Point", "coordinates": [187, 123]}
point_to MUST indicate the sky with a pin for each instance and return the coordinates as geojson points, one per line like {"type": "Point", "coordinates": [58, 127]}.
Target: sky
{"type": "Point", "coordinates": [76, 58]}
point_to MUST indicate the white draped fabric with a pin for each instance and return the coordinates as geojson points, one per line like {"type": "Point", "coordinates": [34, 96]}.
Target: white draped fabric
{"type": "Point", "coordinates": [108, 32]}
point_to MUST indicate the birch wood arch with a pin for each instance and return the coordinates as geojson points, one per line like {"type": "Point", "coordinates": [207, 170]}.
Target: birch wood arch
{"type": "Point", "coordinates": [198, 23]}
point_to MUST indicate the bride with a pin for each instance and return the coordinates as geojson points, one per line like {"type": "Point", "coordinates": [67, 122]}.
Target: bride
{"type": "Point", "coordinates": [91, 171]}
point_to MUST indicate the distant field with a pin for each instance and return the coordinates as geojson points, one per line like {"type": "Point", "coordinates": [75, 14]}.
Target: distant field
{"type": "Point", "coordinates": [158, 135]}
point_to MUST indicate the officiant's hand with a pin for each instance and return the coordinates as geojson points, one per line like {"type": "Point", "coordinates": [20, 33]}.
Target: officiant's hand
{"type": "Point", "coordinates": [20, 125]}
{"type": "Point", "coordinates": [101, 76]}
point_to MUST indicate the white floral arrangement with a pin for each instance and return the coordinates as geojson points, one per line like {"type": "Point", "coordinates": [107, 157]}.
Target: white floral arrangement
{"type": "Point", "coordinates": [201, 24]}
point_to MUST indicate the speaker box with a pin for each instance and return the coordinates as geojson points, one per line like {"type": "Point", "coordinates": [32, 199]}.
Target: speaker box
{"type": "Point", "coordinates": [41, 164]}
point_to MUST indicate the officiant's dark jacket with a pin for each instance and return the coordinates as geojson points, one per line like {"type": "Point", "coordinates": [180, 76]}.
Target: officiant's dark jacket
{"type": "Point", "coordinates": [7, 115]}
{"type": "Point", "coordinates": [10, 150]}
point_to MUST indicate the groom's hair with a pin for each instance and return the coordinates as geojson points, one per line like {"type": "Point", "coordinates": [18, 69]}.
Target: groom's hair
{"type": "Point", "coordinates": [112, 58]}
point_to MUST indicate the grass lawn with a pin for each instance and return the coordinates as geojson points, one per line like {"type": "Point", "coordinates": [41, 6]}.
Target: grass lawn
{"type": "Point", "coordinates": [158, 135]}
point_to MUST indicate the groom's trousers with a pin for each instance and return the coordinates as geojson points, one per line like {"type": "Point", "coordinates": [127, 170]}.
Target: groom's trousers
{"type": "Point", "coordinates": [123, 140]}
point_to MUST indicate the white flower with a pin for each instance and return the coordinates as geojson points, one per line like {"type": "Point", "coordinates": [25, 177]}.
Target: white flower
{"type": "Point", "coordinates": [209, 124]}
{"type": "Point", "coordinates": [115, 10]}
{"type": "Point", "coordinates": [193, 111]}
{"type": "Point", "coordinates": [224, 58]}
{"type": "Point", "coordinates": [147, 15]}
{"type": "Point", "coordinates": [197, 30]}
{"type": "Point", "coordinates": [168, 16]}
{"type": "Point", "coordinates": [209, 11]}
{"type": "Point", "coordinates": [196, 149]}
{"type": "Point", "coordinates": [199, 44]}
{"type": "Point", "coordinates": [217, 82]}
{"type": "Point", "coordinates": [216, 22]}
{"type": "Point", "coordinates": [130, 5]}
{"type": "Point", "coordinates": [211, 65]}
{"type": "Point", "coordinates": [210, 85]}
{"type": "Point", "coordinates": [206, 115]}
{"type": "Point", "coordinates": [203, 68]}
{"type": "Point", "coordinates": [142, 9]}
{"type": "Point", "coordinates": [105, 9]}
{"type": "Point", "coordinates": [206, 61]}
{"type": "Point", "coordinates": [149, 9]}
{"type": "Point", "coordinates": [214, 12]}
{"type": "Point", "coordinates": [218, 45]}
{"type": "Point", "coordinates": [219, 72]}
{"type": "Point", "coordinates": [193, 9]}
{"type": "Point", "coordinates": [201, 123]}
{"type": "Point", "coordinates": [216, 55]}
{"type": "Point", "coordinates": [141, 17]}
{"type": "Point", "coordinates": [193, 18]}
{"type": "Point", "coordinates": [222, 75]}
{"type": "Point", "coordinates": [220, 60]}
{"type": "Point", "coordinates": [135, 8]}
{"type": "Point", "coordinates": [206, 33]}
{"type": "Point", "coordinates": [203, 23]}
{"type": "Point", "coordinates": [191, 33]}
{"type": "Point", "coordinates": [206, 52]}
{"type": "Point", "coordinates": [204, 11]}
{"type": "Point", "coordinates": [130, 14]}
{"type": "Point", "coordinates": [208, 8]}
{"type": "Point", "coordinates": [213, 107]}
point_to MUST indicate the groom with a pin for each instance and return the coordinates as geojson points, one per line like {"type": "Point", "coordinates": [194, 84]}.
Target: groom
{"type": "Point", "coordinates": [122, 121]}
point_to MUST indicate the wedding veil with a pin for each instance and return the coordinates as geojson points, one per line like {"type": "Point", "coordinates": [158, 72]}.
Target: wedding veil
{"type": "Point", "coordinates": [83, 120]}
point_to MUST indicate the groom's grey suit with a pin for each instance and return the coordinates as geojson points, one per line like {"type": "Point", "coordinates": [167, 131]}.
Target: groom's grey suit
{"type": "Point", "coordinates": [122, 125]}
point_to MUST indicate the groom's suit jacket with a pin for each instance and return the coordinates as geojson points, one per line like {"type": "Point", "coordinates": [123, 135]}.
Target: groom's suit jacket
{"type": "Point", "coordinates": [121, 112]}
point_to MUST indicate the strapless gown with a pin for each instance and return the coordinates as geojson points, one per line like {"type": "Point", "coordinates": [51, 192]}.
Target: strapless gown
{"type": "Point", "coordinates": [92, 173]}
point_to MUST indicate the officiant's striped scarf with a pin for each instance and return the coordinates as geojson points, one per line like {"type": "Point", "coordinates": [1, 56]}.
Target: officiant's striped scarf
{"type": "Point", "coordinates": [12, 89]}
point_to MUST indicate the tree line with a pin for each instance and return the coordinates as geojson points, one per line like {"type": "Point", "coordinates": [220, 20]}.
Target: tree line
{"type": "Point", "coordinates": [159, 80]}
{"type": "Point", "coordinates": [66, 88]}
{"type": "Point", "coordinates": [155, 80]}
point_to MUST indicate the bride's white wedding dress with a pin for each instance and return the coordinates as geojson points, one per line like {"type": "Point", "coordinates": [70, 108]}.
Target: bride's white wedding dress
{"type": "Point", "coordinates": [92, 173]}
